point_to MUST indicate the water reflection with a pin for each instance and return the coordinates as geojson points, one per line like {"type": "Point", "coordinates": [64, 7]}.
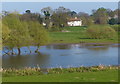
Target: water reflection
{"type": "Point", "coordinates": [99, 48]}
{"type": "Point", "coordinates": [25, 60]}
{"type": "Point", "coordinates": [64, 55]}
{"type": "Point", "coordinates": [60, 46]}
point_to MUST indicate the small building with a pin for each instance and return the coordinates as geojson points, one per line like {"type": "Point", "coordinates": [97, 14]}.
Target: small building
{"type": "Point", "coordinates": [74, 22]}
{"type": "Point", "coordinates": [115, 17]}
{"type": "Point", "coordinates": [44, 24]}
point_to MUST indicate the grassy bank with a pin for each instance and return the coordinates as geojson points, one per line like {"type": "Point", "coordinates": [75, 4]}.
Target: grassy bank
{"type": "Point", "coordinates": [77, 35]}
{"type": "Point", "coordinates": [100, 76]}
{"type": "Point", "coordinates": [81, 74]}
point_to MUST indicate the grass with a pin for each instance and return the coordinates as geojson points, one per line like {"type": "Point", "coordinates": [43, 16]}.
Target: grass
{"type": "Point", "coordinates": [99, 76]}
{"type": "Point", "coordinates": [77, 35]}
{"type": "Point", "coordinates": [79, 74]}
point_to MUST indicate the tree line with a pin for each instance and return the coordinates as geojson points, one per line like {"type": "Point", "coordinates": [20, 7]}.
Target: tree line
{"type": "Point", "coordinates": [57, 18]}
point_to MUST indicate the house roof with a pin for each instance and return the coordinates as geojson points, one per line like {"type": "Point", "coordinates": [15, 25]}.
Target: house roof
{"type": "Point", "coordinates": [74, 19]}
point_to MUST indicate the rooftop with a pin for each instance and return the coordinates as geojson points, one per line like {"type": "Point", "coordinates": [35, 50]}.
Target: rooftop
{"type": "Point", "coordinates": [74, 19]}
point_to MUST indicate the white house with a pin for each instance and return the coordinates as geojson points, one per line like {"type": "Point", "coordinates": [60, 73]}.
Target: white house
{"type": "Point", "coordinates": [115, 17]}
{"type": "Point", "coordinates": [44, 24]}
{"type": "Point", "coordinates": [74, 22]}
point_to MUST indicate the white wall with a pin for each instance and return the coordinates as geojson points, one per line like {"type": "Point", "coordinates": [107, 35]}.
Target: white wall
{"type": "Point", "coordinates": [74, 23]}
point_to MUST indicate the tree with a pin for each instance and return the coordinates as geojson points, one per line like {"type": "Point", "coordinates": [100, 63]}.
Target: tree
{"type": "Point", "coordinates": [59, 18]}
{"type": "Point", "coordinates": [113, 21]}
{"type": "Point", "coordinates": [110, 13]}
{"type": "Point", "coordinates": [100, 16]}
{"type": "Point", "coordinates": [28, 16]}
{"type": "Point", "coordinates": [5, 33]}
{"type": "Point", "coordinates": [5, 13]}
{"type": "Point", "coordinates": [38, 34]}
{"type": "Point", "coordinates": [86, 19]}
{"type": "Point", "coordinates": [18, 32]}
{"type": "Point", "coordinates": [73, 14]}
{"type": "Point", "coordinates": [1, 34]}
{"type": "Point", "coordinates": [47, 12]}
{"type": "Point", "coordinates": [61, 9]}
{"type": "Point", "coordinates": [117, 13]}
{"type": "Point", "coordinates": [28, 11]}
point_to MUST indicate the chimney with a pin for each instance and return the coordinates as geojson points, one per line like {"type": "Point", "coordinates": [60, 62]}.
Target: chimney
{"type": "Point", "coordinates": [75, 17]}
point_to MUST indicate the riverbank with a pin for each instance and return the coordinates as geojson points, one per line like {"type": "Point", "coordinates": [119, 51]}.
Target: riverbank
{"type": "Point", "coordinates": [88, 44]}
{"type": "Point", "coordinates": [100, 76]}
{"type": "Point", "coordinates": [80, 74]}
{"type": "Point", "coordinates": [77, 35]}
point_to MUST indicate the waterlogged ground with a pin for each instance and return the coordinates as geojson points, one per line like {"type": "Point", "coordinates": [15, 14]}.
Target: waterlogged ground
{"type": "Point", "coordinates": [64, 55]}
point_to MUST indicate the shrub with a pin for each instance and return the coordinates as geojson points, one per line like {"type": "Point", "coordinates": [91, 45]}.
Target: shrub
{"type": "Point", "coordinates": [116, 27]}
{"type": "Point", "coordinates": [100, 32]}
{"type": "Point", "coordinates": [55, 28]}
{"type": "Point", "coordinates": [113, 21]}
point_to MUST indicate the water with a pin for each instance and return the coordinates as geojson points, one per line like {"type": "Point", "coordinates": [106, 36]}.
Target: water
{"type": "Point", "coordinates": [64, 55]}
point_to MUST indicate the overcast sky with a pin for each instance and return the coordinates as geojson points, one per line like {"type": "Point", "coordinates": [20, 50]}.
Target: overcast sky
{"type": "Point", "coordinates": [74, 6]}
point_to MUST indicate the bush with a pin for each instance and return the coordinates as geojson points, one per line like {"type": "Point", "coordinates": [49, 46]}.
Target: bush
{"type": "Point", "coordinates": [100, 32]}
{"type": "Point", "coordinates": [55, 29]}
{"type": "Point", "coordinates": [113, 21]}
{"type": "Point", "coordinates": [116, 27]}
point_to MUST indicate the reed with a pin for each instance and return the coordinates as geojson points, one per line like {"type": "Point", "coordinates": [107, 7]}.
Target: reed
{"type": "Point", "coordinates": [27, 71]}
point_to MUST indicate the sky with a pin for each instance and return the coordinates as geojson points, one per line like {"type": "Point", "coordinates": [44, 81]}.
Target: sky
{"type": "Point", "coordinates": [73, 6]}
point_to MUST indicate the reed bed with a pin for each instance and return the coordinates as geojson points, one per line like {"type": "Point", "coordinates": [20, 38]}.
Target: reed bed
{"type": "Point", "coordinates": [38, 71]}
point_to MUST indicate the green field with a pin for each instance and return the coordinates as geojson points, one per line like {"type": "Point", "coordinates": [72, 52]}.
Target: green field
{"type": "Point", "coordinates": [99, 76]}
{"type": "Point", "coordinates": [77, 35]}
